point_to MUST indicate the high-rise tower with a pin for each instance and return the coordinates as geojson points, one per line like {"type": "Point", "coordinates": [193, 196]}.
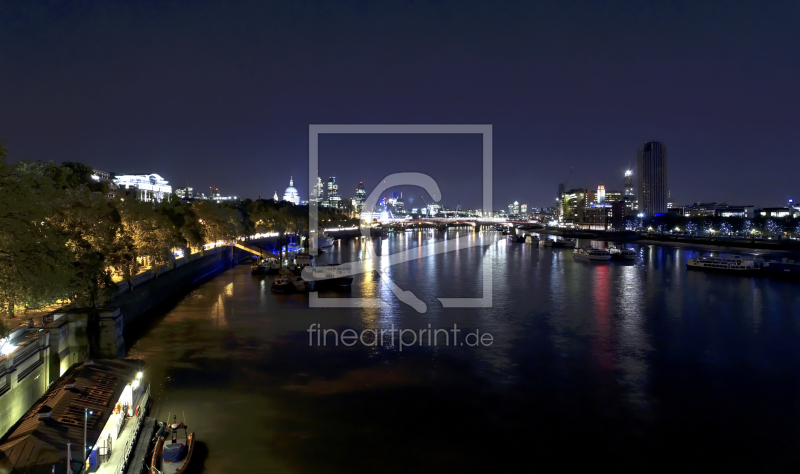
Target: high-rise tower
{"type": "Point", "coordinates": [334, 199]}
{"type": "Point", "coordinates": [629, 196]}
{"type": "Point", "coordinates": [361, 196]}
{"type": "Point", "coordinates": [629, 183]}
{"type": "Point", "coordinates": [316, 194]}
{"type": "Point", "coordinates": [653, 190]}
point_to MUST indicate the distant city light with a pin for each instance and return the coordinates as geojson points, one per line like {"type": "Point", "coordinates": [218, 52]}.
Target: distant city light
{"type": "Point", "coordinates": [628, 173]}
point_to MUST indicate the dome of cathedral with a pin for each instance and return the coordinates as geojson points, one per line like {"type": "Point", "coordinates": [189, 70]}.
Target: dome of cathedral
{"type": "Point", "coordinates": [291, 194]}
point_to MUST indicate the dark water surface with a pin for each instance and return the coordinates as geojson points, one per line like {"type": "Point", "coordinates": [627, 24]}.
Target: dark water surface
{"type": "Point", "coordinates": [637, 367]}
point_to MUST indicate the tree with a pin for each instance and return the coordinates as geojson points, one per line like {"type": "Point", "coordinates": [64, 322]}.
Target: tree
{"type": "Point", "coordinates": [218, 222]}
{"type": "Point", "coordinates": [154, 236]}
{"type": "Point", "coordinates": [94, 231]}
{"type": "Point", "coordinates": [35, 261]}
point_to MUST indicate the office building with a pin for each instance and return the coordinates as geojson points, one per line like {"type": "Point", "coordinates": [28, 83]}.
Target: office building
{"type": "Point", "coordinates": [144, 187]}
{"type": "Point", "coordinates": [315, 195]}
{"type": "Point", "coordinates": [572, 204]}
{"type": "Point", "coordinates": [333, 199]}
{"type": "Point", "coordinates": [600, 198]}
{"type": "Point", "coordinates": [653, 187]}
{"type": "Point", "coordinates": [361, 197]}
{"type": "Point", "coordinates": [185, 193]}
{"type": "Point", "coordinates": [614, 196]}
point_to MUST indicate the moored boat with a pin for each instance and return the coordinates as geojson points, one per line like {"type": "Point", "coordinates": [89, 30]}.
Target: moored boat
{"type": "Point", "coordinates": [331, 276]}
{"type": "Point", "coordinates": [173, 457]}
{"type": "Point", "coordinates": [303, 260]}
{"type": "Point", "coordinates": [735, 264]}
{"type": "Point", "coordinates": [589, 253]}
{"type": "Point", "coordinates": [263, 266]}
{"type": "Point", "coordinates": [282, 284]}
{"type": "Point", "coordinates": [323, 241]}
{"type": "Point", "coordinates": [622, 253]}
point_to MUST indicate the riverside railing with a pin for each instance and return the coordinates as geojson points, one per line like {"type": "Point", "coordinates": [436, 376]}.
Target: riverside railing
{"type": "Point", "coordinates": [208, 249]}
{"type": "Point", "coordinates": [148, 275]}
{"type": "Point", "coordinates": [122, 465]}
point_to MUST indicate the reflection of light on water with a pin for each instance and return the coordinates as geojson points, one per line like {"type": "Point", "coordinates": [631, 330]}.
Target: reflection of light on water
{"type": "Point", "coordinates": [262, 293]}
{"type": "Point", "coordinates": [602, 344]}
{"type": "Point", "coordinates": [758, 307]}
{"type": "Point", "coordinates": [229, 289]}
{"type": "Point", "coordinates": [674, 281]}
{"type": "Point", "coordinates": [217, 312]}
{"type": "Point", "coordinates": [557, 285]}
{"type": "Point", "coordinates": [632, 337]}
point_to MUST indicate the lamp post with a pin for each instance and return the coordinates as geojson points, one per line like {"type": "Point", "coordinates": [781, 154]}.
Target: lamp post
{"type": "Point", "coordinates": [86, 414]}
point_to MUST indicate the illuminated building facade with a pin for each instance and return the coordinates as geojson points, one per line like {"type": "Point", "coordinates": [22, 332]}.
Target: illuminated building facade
{"type": "Point", "coordinates": [316, 192]}
{"type": "Point", "coordinates": [333, 199]}
{"type": "Point", "coordinates": [291, 195]}
{"type": "Point", "coordinates": [144, 187]}
{"type": "Point", "coordinates": [361, 197]}
{"type": "Point", "coordinates": [573, 203]}
{"type": "Point", "coordinates": [601, 194]}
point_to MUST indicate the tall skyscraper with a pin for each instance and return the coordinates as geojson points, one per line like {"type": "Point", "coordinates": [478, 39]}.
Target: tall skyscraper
{"type": "Point", "coordinates": [629, 183]}
{"type": "Point", "coordinates": [629, 198]}
{"type": "Point", "coordinates": [361, 197]}
{"type": "Point", "coordinates": [316, 194]}
{"type": "Point", "coordinates": [334, 199]}
{"type": "Point", "coordinates": [653, 190]}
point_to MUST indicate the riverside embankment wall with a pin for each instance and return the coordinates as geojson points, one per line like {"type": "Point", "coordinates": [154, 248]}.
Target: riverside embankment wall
{"type": "Point", "coordinates": [45, 351]}
{"type": "Point", "coordinates": [135, 307]}
{"type": "Point", "coordinates": [143, 298]}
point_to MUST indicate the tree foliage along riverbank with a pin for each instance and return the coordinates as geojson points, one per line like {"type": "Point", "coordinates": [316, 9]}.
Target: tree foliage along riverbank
{"type": "Point", "coordinates": [757, 227]}
{"type": "Point", "coordinates": [63, 236]}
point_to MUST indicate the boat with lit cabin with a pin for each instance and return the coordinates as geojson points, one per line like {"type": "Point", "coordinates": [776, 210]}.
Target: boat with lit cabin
{"type": "Point", "coordinates": [735, 264]}
{"type": "Point", "coordinates": [589, 253]}
{"type": "Point", "coordinates": [622, 253]}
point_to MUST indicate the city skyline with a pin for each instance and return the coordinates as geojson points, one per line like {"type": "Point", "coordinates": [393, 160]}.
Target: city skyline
{"type": "Point", "coordinates": [565, 86]}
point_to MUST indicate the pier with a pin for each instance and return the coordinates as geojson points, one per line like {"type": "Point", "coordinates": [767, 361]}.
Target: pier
{"type": "Point", "coordinates": [89, 420]}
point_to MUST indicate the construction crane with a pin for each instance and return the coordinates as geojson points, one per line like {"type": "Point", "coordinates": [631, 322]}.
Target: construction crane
{"type": "Point", "coordinates": [567, 180]}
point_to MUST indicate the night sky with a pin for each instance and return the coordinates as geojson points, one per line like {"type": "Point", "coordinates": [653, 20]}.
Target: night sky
{"type": "Point", "coordinates": [221, 94]}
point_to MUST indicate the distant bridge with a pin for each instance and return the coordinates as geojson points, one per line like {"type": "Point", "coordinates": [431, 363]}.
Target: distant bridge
{"type": "Point", "coordinates": [521, 228]}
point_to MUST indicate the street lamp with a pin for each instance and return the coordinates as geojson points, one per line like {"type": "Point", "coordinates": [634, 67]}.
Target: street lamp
{"type": "Point", "coordinates": [86, 414]}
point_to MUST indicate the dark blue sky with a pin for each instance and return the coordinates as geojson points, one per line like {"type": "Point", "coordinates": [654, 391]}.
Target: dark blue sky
{"type": "Point", "coordinates": [222, 93]}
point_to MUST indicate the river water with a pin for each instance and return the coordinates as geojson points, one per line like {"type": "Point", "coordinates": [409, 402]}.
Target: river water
{"type": "Point", "coordinates": [639, 367]}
